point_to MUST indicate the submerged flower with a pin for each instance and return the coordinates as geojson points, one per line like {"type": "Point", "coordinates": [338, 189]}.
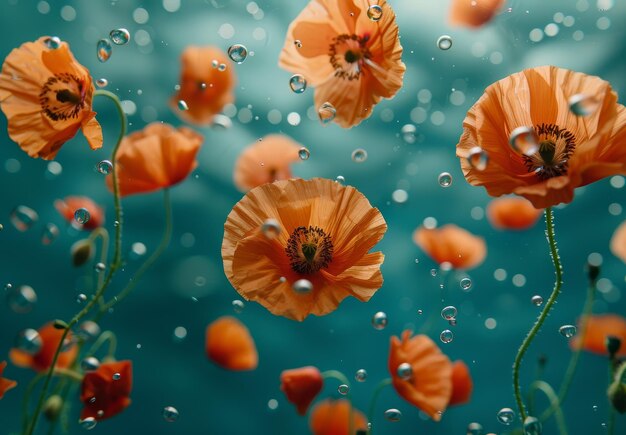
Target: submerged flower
{"type": "Point", "coordinates": [599, 328]}
{"type": "Point", "coordinates": [473, 13]}
{"type": "Point", "coordinates": [300, 247]}
{"type": "Point", "coordinates": [462, 384]}
{"type": "Point", "coordinates": [512, 213]}
{"type": "Point", "coordinates": [428, 384]}
{"type": "Point", "coordinates": [451, 244]}
{"type": "Point", "coordinates": [42, 358]}
{"type": "Point", "coordinates": [332, 417]}
{"type": "Point", "coordinates": [46, 96]}
{"type": "Point", "coordinates": [206, 84]}
{"type": "Point", "coordinates": [547, 131]}
{"type": "Point", "coordinates": [5, 384]}
{"type": "Point", "coordinates": [230, 345]}
{"type": "Point", "coordinates": [301, 386]}
{"type": "Point", "coordinates": [157, 157]}
{"type": "Point", "coordinates": [265, 161]}
{"type": "Point", "coordinates": [353, 60]}
{"type": "Point", "coordinates": [68, 206]}
{"type": "Point", "coordinates": [618, 242]}
{"type": "Point", "coordinates": [105, 391]}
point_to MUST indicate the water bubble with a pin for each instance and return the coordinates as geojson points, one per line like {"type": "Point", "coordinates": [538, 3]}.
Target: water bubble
{"type": "Point", "coordinates": [524, 140]}
{"type": "Point", "coordinates": [595, 408]}
{"type": "Point", "coordinates": [405, 371]}
{"type": "Point", "coordinates": [29, 341]}
{"type": "Point", "coordinates": [466, 284]}
{"type": "Point", "coordinates": [445, 179]}
{"type": "Point", "coordinates": [88, 330]}
{"type": "Point", "coordinates": [104, 50]}
{"type": "Point", "coordinates": [215, 63]}
{"type": "Point", "coordinates": [420, 312]}
{"type": "Point", "coordinates": [343, 389]}
{"type": "Point", "coordinates": [99, 267]}
{"type": "Point", "coordinates": [433, 272]}
{"type": "Point", "coordinates": [23, 217]}
{"type": "Point", "coordinates": [379, 320]}
{"type": "Point", "coordinates": [297, 83]}
{"type": "Point", "coordinates": [374, 12]}
{"type": "Point", "coordinates": [446, 336]}
{"type": "Point", "coordinates": [449, 312]}
{"type": "Point", "coordinates": [49, 234]}
{"type": "Point", "coordinates": [393, 414]}
{"type": "Point", "coordinates": [297, 43]}
{"type": "Point", "coordinates": [238, 306]}
{"type": "Point", "coordinates": [583, 105]}
{"type": "Point", "coordinates": [182, 105]}
{"type": "Point", "coordinates": [82, 216]}
{"type": "Point", "coordinates": [88, 423]}
{"type": "Point", "coordinates": [506, 416]}
{"type": "Point", "coordinates": [81, 298]}
{"type": "Point", "coordinates": [474, 429]}
{"type": "Point", "coordinates": [340, 179]}
{"type": "Point", "coordinates": [116, 376]}
{"type": "Point", "coordinates": [270, 228]}
{"type": "Point", "coordinates": [52, 42]}
{"type": "Point", "coordinates": [444, 42]}
{"type": "Point", "coordinates": [170, 414]}
{"type": "Point", "coordinates": [302, 286]}
{"type": "Point", "coordinates": [326, 112]}
{"type": "Point", "coordinates": [104, 167]}
{"type": "Point", "coordinates": [536, 300]}
{"type": "Point", "coordinates": [21, 299]}
{"type": "Point", "coordinates": [102, 82]}
{"type": "Point", "coordinates": [120, 36]}
{"type": "Point", "coordinates": [408, 133]}
{"type": "Point", "coordinates": [478, 158]}
{"type": "Point", "coordinates": [237, 53]}
{"type": "Point", "coordinates": [304, 153]}
{"type": "Point", "coordinates": [359, 155]}
{"type": "Point", "coordinates": [360, 375]}
{"type": "Point", "coordinates": [221, 67]}
{"type": "Point", "coordinates": [567, 331]}
{"type": "Point", "coordinates": [532, 426]}
{"type": "Point", "coordinates": [90, 364]}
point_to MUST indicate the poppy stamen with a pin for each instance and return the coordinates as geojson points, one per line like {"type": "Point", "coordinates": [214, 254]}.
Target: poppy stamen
{"type": "Point", "coordinates": [347, 54]}
{"type": "Point", "coordinates": [556, 145]}
{"type": "Point", "coordinates": [62, 97]}
{"type": "Point", "coordinates": [309, 249]}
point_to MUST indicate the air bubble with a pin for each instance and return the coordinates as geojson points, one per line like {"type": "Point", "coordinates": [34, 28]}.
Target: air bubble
{"type": "Point", "coordinates": [23, 217]}
{"type": "Point", "coordinates": [237, 53]}
{"type": "Point", "coordinates": [359, 155]}
{"type": "Point", "coordinates": [446, 336]}
{"type": "Point", "coordinates": [536, 300]}
{"type": "Point", "coordinates": [304, 153]}
{"type": "Point", "coordinates": [444, 42]}
{"type": "Point", "coordinates": [583, 105]}
{"type": "Point", "coordinates": [170, 414]}
{"type": "Point", "coordinates": [567, 331]}
{"type": "Point", "coordinates": [326, 113]}
{"type": "Point", "coordinates": [445, 179]}
{"type": "Point", "coordinates": [375, 12]}
{"type": "Point", "coordinates": [506, 416]}
{"type": "Point", "coordinates": [302, 286]}
{"type": "Point", "coordinates": [22, 299]}
{"type": "Point", "coordinates": [379, 320]}
{"type": "Point", "coordinates": [466, 284]}
{"type": "Point", "coordinates": [478, 158]}
{"type": "Point", "coordinates": [343, 389]}
{"type": "Point", "coordinates": [105, 167]}
{"type": "Point", "coordinates": [120, 36]}
{"type": "Point", "coordinates": [104, 50]}
{"type": "Point", "coordinates": [393, 415]}
{"type": "Point", "coordinates": [524, 140]}
{"type": "Point", "coordinates": [297, 83]}
{"type": "Point", "coordinates": [404, 371]}
{"type": "Point", "coordinates": [360, 375]}
{"type": "Point", "coordinates": [270, 228]}
{"type": "Point", "coordinates": [449, 312]}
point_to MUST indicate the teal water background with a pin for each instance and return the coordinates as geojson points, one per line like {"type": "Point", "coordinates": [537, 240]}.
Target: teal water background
{"type": "Point", "coordinates": [177, 373]}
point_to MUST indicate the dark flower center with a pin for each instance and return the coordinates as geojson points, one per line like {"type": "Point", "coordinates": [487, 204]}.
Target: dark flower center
{"type": "Point", "coordinates": [347, 54]}
{"type": "Point", "coordinates": [62, 97]}
{"type": "Point", "coordinates": [556, 146]}
{"type": "Point", "coordinates": [309, 249]}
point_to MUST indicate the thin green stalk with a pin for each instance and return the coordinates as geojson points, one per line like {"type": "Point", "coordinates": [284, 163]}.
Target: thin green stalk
{"type": "Point", "coordinates": [546, 389]}
{"type": "Point", "coordinates": [27, 393]}
{"type": "Point", "coordinates": [370, 414]}
{"type": "Point", "coordinates": [69, 374]}
{"type": "Point", "coordinates": [558, 270]}
{"type": "Point", "coordinates": [611, 424]}
{"type": "Point", "coordinates": [103, 338]}
{"type": "Point", "coordinates": [344, 380]}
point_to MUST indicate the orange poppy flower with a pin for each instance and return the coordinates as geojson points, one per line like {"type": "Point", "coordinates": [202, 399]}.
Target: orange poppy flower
{"type": "Point", "coordinates": [300, 247]}
{"type": "Point", "coordinates": [301, 386]}
{"type": "Point", "coordinates": [473, 13]}
{"type": "Point", "coordinates": [451, 244]}
{"type": "Point", "coordinates": [599, 327]}
{"type": "Point", "coordinates": [205, 85]}
{"type": "Point", "coordinates": [104, 392]}
{"type": "Point", "coordinates": [618, 242]}
{"type": "Point", "coordinates": [564, 148]}
{"type": "Point", "coordinates": [42, 359]}
{"type": "Point", "coordinates": [68, 206]}
{"type": "Point", "coordinates": [462, 384]}
{"type": "Point", "coordinates": [353, 61]}
{"type": "Point", "coordinates": [265, 161]}
{"type": "Point", "coordinates": [157, 157]}
{"type": "Point", "coordinates": [428, 384]}
{"type": "Point", "coordinates": [5, 384]}
{"type": "Point", "coordinates": [512, 213]}
{"type": "Point", "coordinates": [331, 417]}
{"type": "Point", "coordinates": [230, 345]}
{"type": "Point", "coordinates": [46, 96]}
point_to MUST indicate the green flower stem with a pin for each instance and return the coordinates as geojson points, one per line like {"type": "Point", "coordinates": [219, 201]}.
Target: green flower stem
{"type": "Point", "coordinates": [545, 388]}
{"type": "Point", "coordinates": [558, 270]}
{"type": "Point", "coordinates": [370, 413]}
{"type": "Point", "coordinates": [27, 394]}
{"type": "Point", "coordinates": [69, 374]}
{"type": "Point", "coordinates": [336, 374]}
{"type": "Point", "coordinates": [102, 339]}
{"type": "Point", "coordinates": [165, 240]}
{"type": "Point", "coordinates": [103, 234]}
{"type": "Point", "coordinates": [611, 424]}
{"type": "Point", "coordinates": [109, 276]}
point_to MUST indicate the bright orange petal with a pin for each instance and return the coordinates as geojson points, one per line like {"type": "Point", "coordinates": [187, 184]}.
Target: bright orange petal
{"type": "Point", "coordinates": [512, 214]}
{"type": "Point", "coordinates": [230, 345]}
{"type": "Point", "coordinates": [462, 384]}
{"type": "Point", "coordinates": [599, 327]}
{"type": "Point", "coordinates": [473, 13]}
{"type": "Point", "coordinates": [301, 386]}
{"type": "Point", "coordinates": [618, 242]}
{"type": "Point", "coordinates": [5, 384]}
{"type": "Point", "coordinates": [331, 417]}
{"type": "Point", "coordinates": [451, 244]}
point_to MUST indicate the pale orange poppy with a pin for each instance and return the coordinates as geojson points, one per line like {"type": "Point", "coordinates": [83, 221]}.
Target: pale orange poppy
{"type": "Point", "coordinates": [230, 345]}
{"type": "Point", "coordinates": [451, 244]}
{"type": "Point", "coordinates": [157, 157]}
{"type": "Point", "coordinates": [5, 384]}
{"type": "Point", "coordinates": [300, 247]}
{"type": "Point", "coordinates": [332, 417]}
{"type": "Point", "coordinates": [68, 206]}
{"type": "Point", "coordinates": [42, 359]}
{"type": "Point", "coordinates": [564, 149]}
{"type": "Point", "coordinates": [599, 327]}
{"type": "Point", "coordinates": [462, 385]}
{"type": "Point", "coordinates": [207, 79]}
{"type": "Point", "coordinates": [352, 60]}
{"type": "Point", "coordinates": [428, 385]}
{"type": "Point", "coordinates": [265, 161]}
{"type": "Point", "coordinates": [512, 213]}
{"type": "Point", "coordinates": [301, 386]}
{"type": "Point", "coordinates": [473, 13]}
{"type": "Point", "coordinates": [618, 242]}
{"type": "Point", "coordinates": [46, 96]}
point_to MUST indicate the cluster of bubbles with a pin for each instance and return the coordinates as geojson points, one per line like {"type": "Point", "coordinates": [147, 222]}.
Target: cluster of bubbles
{"type": "Point", "coordinates": [104, 49]}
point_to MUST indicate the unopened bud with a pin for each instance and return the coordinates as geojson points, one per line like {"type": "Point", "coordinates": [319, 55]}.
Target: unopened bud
{"type": "Point", "coordinates": [82, 251]}
{"type": "Point", "coordinates": [617, 396]}
{"type": "Point", "coordinates": [52, 407]}
{"type": "Point", "coordinates": [612, 344]}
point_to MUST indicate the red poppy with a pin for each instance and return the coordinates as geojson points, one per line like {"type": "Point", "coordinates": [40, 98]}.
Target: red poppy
{"type": "Point", "coordinates": [42, 359]}
{"type": "Point", "coordinates": [68, 206]}
{"type": "Point", "coordinates": [104, 392]}
{"type": "Point", "coordinates": [5, 384]}
{"type": "Point", "coordinates": [331, 417]}
{"type": "Point", "coordinates": [462, 384]}
{"type": "Point", "coordinates": [230, 345]}
{"type": "Point", "coordinates": [301, 386]}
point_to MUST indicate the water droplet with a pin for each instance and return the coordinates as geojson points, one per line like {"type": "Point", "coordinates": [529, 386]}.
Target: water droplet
{"type": "Point", "coordinates": [21, 299]}
{"type": "Point", "coordinates": [90, 364]}
{"type": "Point", "coordinates": [444, 42]}
{"type": "Point", "coordinates": [302, 286]}
{"type": "Point", "coordinates": [49, 234]}
{"type": "Point", "coordinates": [449, 312]}
{"type": "Point", "coordinates": [81, 298]}
{"type": "Point", "coordinates": [182, 105]}
{"type": "Point", "coordinates": [583, 105]}
{"type": "Point", "coordinates": [170, 414]}
{"type": "Point", "coordinates": [595, 408]}
{"type": "Point", "coordinates": [270, 228]}
{"type": "Point", "coordinates": [104, 50]}
{"type": "Point", "coordinates": [116, 376]}
{"type": "Point", "coordinates": [478, 158]}
{"type": "Point", "coordinates": [99, 267]}
{"type": "Point", "coordinates": [393, 414]}
{"type": "Point", "coordinates": [82, 216]}
{"type": "Point", "coordinates": [445, 179]}
{"type": "Point", "coordinates": [29, 341]}
{"type": "Point", "coordinates": [474, 429]}
{"type": "Point", "coordinates": [221, 67]}
{"type": "Point", "coordinates": [537, 300]}
{"type": "Point", "coordinates": [433, 272]}
{"type": "Point", "coordinates": [360, 375]}
{"type": "Point", "coordinates": [405, 371]}
{"type": "Point", "coordinates": [104, 167]}
{"type": "Point", "coordinates": [567, 331]}
{"type": "Point", "coordinates": [88, 423]}
{"type": "Point", "coordinates": [343, 389]}
{"type": "Point", "coordinates": [120, 36]}
{"type": "Point", "coordinates": [52, 42]}
{"type": "Point", "coordinates": [379, 320]}
{"type": "Point", "coordinates": [23, 217]}
{"type": "Point", "coordinates": [326, 113]}
{"type": "Point", "coordinates": [102, 82]}
{"type": "Point", "coordinates": [215, 63]}
{"type": "Point", "coordinates": [304, 154]}
{"type": "Point", "coordinates": [420, 312]}
{"type": "Point", "coordinates": [237, 53]}
{"type": "Point", "coordinates": [238, 306]}
{"type": "Point", "coordinates": [340, 179]}
{"type": "Point", "coordinates": [524, 140]}
{"type": "Point", "coordinates": [446, 336]}
{"type": "Point", "coordinates": [506, 416]}
{"type": "Point", "coordinates": [297, 83]}
{"type": "Point", "coordinates": [408, 133]}
{"type": "Point", "coordinates": [88, 330]}
{"type": "Point", "coordinates": [466, 284]}
{"type": "Point", "coordinates": [532, 426]}
{"type": "Point", "coordinates": [359, 155]}
{"type": "Point", "coordinates": [375, 12]}
{"type": "Point", "coordinates": [297, 43]}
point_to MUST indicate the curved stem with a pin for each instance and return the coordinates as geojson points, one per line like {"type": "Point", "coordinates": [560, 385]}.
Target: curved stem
{"type": "Point", "coordinates": [558, 270]}
{"type": "Point", "coordinates": [103, 234]}
{"type": "Point", "coordinates": [546, 389]}
{"type": "Point", "coordinates": [103, 338]}
{"type": "Point", "coordinates": [370, 412]}
{"type": "Point", "coordinates": [69, 374]}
